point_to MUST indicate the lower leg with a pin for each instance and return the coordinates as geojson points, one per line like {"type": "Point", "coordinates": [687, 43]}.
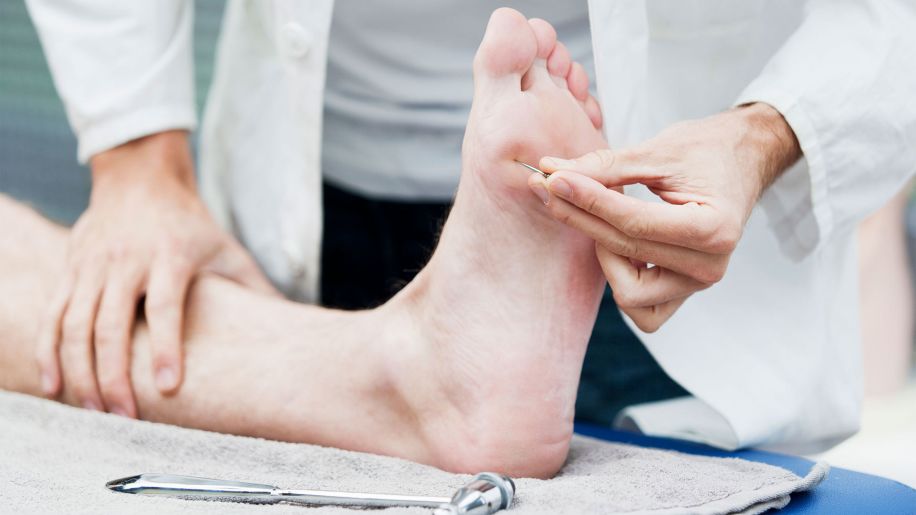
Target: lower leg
{"type": "Point", "coordinates": [255, 365]}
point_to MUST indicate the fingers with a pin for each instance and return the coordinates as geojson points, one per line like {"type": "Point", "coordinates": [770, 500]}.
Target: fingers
{"type": "Point", "coordinates": [609, 167]}
{"type": "Point", "coordinates": [49, 338]}
{"type": "Point", "coordinates": [113, 329]}
{"type": "Point", "coordinates": [636, 285]}
{"type": "Point", "coordinates": [649, 296]}
{"type": "Point", "coordinates": [701, 266]}
{"type": "Point", "coordinates": [165, 297]}
{"type": "Point", "coordinates": [688, 225]}
{"type": "Point", "coordinates": [76, 350]}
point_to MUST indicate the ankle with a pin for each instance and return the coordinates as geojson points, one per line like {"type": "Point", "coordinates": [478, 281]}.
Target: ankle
{"type": "Point", "coordinates": [461, 424]}
{"type": "Point", "coordinates": [402, 383]}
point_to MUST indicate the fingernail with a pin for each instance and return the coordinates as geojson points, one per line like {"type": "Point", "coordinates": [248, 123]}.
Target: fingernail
{"type": "Point", "coordinates": [47, 385]}
{"type": "Point", "coordinates": [119, 411]}
{"type": "Point", "coordinates": [560, 188]}
{"type": "Point", "coordinates": [165, 378]}
{"type": "Point", "coordinates": [91, 405]}
{"type": "Point", "coordinates": [555, 163]}
{"type": "Point", "coordinates": [539, 190]}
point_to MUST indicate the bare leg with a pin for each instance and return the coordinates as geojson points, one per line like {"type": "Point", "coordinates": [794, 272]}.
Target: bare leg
{"type": "Point", "coordinates": [473, 366]}
{"type": "Point", "coordinates": [256, 365]}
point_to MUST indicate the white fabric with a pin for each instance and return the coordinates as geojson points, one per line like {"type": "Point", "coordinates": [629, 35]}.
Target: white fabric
{"type": "Point", "coordinates": [123, 69]}
{"type": "Point", "coordinates": [685, 418]}
{"type": "Point", "coordinates": [57, 459]}
{"type": "Point", "coordinates": [772, 349]}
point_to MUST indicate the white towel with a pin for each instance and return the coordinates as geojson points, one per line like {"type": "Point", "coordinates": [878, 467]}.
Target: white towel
{"type": "Point", "coordinates": [57, 459]}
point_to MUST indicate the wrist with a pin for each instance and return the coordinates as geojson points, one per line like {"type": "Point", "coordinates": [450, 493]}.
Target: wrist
{"type": "Point", "coordinates": [771, 143]}
{"type": "Point", "coordinates": [164, 156]}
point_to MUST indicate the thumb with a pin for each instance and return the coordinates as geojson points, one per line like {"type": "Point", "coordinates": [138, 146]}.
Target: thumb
{"type": "Point", "coordinates": [609, 167]}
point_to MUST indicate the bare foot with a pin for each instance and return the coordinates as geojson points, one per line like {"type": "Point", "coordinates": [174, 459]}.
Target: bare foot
{"type": "Point", "coordinates": [503, 312]}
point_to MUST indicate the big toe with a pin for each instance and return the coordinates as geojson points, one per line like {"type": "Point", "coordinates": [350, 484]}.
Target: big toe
{"type": "Point", "coordinates": [508, 48]}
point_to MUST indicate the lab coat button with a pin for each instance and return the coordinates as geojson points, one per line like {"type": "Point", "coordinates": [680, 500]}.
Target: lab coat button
{"type": "Point", "coordinates": [295, 41]}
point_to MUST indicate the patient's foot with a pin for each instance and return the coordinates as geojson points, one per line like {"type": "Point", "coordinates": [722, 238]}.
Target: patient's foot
{"type": "Point", "coordinates": [504, 310]}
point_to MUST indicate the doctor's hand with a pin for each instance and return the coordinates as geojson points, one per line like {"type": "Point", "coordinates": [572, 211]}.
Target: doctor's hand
{"type": "Point", "coordinates": [145, 232]}
{"type": "Point", "coordinates": [709, 173]}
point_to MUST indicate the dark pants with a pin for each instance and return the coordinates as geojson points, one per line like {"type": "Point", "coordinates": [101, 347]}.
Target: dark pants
{"type": "Point", "coordinates": [372, 248]}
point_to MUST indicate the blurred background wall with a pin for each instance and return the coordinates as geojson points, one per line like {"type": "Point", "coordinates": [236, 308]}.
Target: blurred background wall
{"type": "Point", "coordinates": [37, 150]}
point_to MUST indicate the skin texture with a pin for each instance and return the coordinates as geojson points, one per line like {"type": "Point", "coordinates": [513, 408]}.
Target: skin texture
{"type": "Point", "coordinates": [146, 232]}
{"type": "Point", "coordinates": [710, 173]}
{"type": "Point", "coordinates": [473, 366]}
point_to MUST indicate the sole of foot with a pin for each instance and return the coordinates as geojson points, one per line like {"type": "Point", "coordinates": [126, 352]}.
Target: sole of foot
{"type": "Point", "coordinates": [496, 325]}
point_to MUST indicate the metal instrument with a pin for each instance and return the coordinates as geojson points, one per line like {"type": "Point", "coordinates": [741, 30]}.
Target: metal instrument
{"type": "Point", "coordinates": [485, 494]}
{"type": "Point", "coordinates": [534, 169]}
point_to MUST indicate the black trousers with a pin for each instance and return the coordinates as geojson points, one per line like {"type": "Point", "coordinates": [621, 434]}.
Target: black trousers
{"type": "Point", "coordinates": [372, 248]}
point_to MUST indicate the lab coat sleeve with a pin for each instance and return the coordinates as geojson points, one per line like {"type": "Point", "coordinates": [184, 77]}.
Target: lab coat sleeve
{"type": "Point", "coordinates": [123, 69]}
{"type": "Point", "coordinates": [845, 83]}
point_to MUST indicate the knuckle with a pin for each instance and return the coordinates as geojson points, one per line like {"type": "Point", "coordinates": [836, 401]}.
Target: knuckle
{"type": "Point", "coordinates": [605, 158]}
{"type": "Point", "coordinates": [723, 237]}
{"type": "Point", "coordinates": [631, 247]}
{"type": "Point", "coordinates": [709, 275]}
{"type": "Point", "coordinates": [176, 264]}
{"type": "Point", "coordinates": [172, 246]}
{"type": "Point", "coordinates": [562, 215]}
{"type": "Point", "coordinates": [614, 245]}
{"type": "Point", "coordinates": [108, 333]}
{"type": "Point", "coordinates": [626, 297]}
{"type": "Point", "coordinates": [74, 328]}
{"type": "Point", "coordinates": [118, 252]}
{"type": "Point", "coordinates": [159, 305]}
{"type": "Point", "coordinates": [592, 203]}
{"type": "Point", "coordinates": [635, 227]}
{"type": "Point", "coordinates": [182, 267]}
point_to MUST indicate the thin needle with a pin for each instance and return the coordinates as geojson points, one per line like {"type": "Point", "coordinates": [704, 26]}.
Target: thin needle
{"type": "Point", "coordinates": [533, 169]}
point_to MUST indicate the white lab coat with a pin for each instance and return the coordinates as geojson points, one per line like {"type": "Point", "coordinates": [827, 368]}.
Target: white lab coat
{"type": "Point", "coordinates": [770, 354]}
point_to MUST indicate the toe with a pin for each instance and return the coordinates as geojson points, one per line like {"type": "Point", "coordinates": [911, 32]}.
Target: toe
{"type": "Point", "coordinates": [593, 110]}
{"type": "Point", "coordinates": [546, 37]}
{"type": "Point", "coordinates": [558, 63]}
{"type": "Point", "coordinates": [508, 48]}
{"type": "Point", "coordinates": [577, 81]}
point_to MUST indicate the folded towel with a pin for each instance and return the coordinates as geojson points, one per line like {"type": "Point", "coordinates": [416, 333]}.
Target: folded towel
{"type": "Point", "coordinates": [57, 459]}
